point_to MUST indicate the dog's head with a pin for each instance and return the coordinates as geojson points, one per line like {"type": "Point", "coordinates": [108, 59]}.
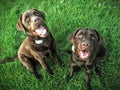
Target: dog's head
{"type": "Point", "coordinates": [32, 22]}
{"type": "Point", "coordinates": [85, 42]}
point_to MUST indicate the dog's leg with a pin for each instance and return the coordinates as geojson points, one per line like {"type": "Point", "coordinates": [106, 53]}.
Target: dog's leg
{"type": "Point", "coordinates": [88, 77]}
{"type": "Point", "coordinates": [44, 65]}
{"type": "Point", "coordinates": [54, 55]}
{"type": "Point", "coordinates": [29, 65]}
{"type": "Point", "coordinates": [74, 68]}
{"type": "Point", "coordinates": [41, 61]}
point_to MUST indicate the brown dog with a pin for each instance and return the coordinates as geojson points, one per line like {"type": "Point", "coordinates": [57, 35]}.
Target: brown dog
{"type": "Point", "coordinates": [87, 49]}
{"type": "Point", "coordinates": [39, 42]}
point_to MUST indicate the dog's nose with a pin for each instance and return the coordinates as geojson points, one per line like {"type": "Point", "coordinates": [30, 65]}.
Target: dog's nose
{"type": "Point", "coordinates": [36, 19]}
{"type": "Point", "coordinates": [85, 45]}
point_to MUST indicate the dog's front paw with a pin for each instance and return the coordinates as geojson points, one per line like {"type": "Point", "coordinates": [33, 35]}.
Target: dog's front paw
{"type": "Point", "coordinates": [68, 78]}
{"type": "Point", "coordinates": [88, 85]}
{"type": "Point", "coordinates": [38, 76]}
{"type": "Point", "coordinates": [50, 72]}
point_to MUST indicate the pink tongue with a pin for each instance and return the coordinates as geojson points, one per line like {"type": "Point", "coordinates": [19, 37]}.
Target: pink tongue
{"type": "Point", "coordinates": [84, 54]}
{"type": "Point", "coordinates": [41, 30]}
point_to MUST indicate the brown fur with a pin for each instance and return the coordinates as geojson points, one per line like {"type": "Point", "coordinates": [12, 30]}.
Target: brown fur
{"type": "Point", "coordinates": [30, 51]}
{"type": "Point", "coordinates": [85, 40]}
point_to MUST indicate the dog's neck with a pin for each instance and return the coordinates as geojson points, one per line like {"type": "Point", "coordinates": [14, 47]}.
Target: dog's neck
{"type": "Point", "coordinates": [37, 40]}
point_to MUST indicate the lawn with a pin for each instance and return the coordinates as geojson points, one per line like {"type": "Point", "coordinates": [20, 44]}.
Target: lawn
{"type": "Point", "coordinates": [62, 18]}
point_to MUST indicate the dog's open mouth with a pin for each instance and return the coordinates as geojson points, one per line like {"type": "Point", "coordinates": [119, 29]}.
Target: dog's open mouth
{"type": "Point", "coordinates": [84, 54]}
{"type": "Point", "coordinates": [41, 31]}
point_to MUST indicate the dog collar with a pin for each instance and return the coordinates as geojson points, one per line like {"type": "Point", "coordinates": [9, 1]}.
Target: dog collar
{"type": "Point", "coordinates": [38, 41]}
{"type": "Point", "coordinates": [73, 48]}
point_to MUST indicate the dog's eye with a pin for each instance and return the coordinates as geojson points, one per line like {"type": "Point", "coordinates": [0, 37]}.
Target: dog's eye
{"type": "Point", "coordinates": [36, 13]}
{"type": "Point", "coordinates": [93, 37]}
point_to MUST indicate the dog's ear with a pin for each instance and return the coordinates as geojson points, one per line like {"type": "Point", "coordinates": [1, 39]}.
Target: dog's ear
{"type": "Point", "coordinates": [72, 37]}
{"type": "Point", "coordinates": [41, 13]}
{"type": "Point", "coordinates": [19, 25]}
{"type": "Point", "coordinates": [100, 39]}
{"type": "Point", "coordinates": [101, 47]}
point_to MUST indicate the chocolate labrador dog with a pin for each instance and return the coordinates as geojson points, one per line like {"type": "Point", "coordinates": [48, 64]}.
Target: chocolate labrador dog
{"type": "Point", "coordinates": [39, 42]}
{"type": "Point", "coordinates": [87, 49]}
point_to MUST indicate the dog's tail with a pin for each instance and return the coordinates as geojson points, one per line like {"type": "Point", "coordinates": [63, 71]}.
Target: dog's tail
{"type": "Point", "coordinates": [9, 59]}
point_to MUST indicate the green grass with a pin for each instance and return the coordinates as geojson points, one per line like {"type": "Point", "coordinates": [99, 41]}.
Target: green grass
{"type": "Point", "coordinates": [62, 18]}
